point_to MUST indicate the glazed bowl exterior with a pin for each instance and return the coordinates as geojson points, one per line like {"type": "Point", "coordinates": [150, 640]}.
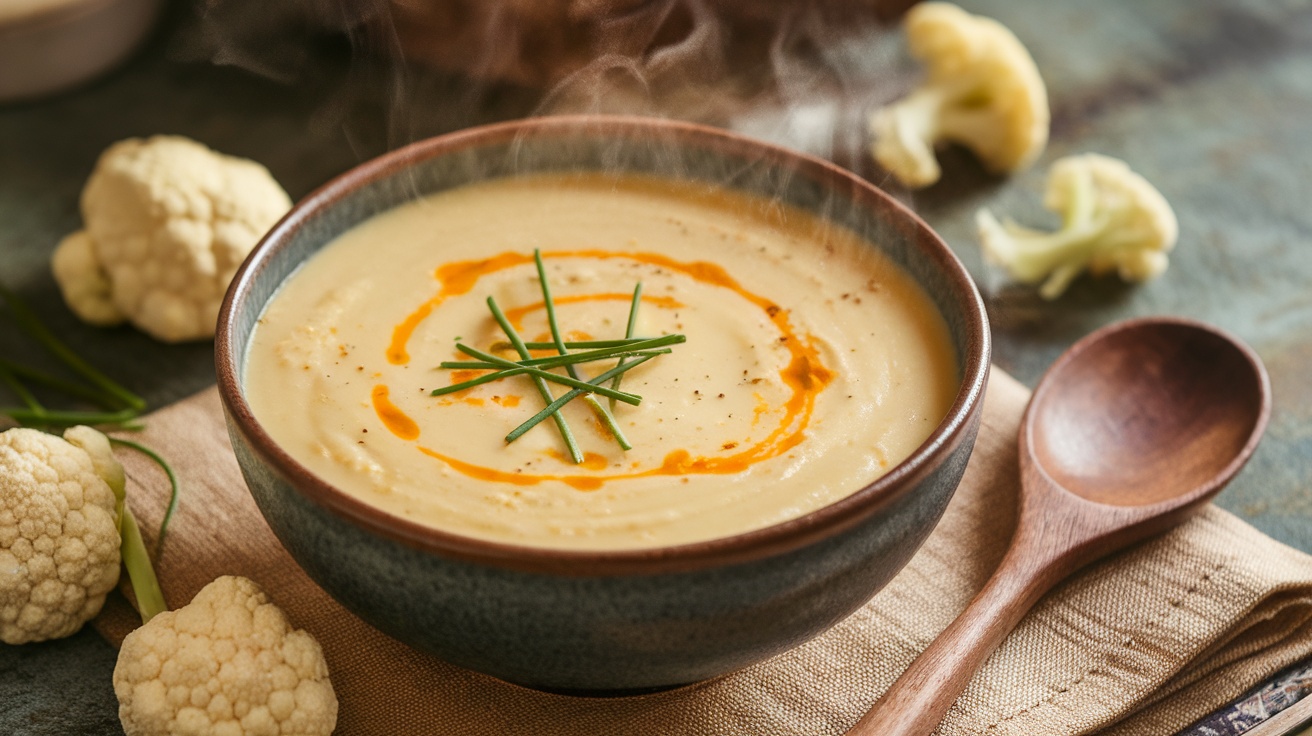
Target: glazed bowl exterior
{"type": "Point", "coordinates": [610, 620]}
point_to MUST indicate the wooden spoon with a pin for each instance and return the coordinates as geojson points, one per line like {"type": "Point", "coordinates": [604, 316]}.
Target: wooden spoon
{"type": "Point", "coordinates": [1131, 430]}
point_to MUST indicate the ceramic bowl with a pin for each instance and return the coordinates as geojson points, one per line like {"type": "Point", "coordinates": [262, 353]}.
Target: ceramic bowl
{"type": "Point", "coordinates": [611, 620]}
{"type": "Point", "coordinates": [47, 46]}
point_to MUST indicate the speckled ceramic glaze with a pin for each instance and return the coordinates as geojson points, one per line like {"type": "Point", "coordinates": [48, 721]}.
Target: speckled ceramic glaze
{"type": "Point", "coordinates": [604, 621]}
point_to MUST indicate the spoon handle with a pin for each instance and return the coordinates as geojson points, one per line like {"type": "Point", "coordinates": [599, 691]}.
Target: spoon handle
{"type": "Point", "coordinates": [919, 699]}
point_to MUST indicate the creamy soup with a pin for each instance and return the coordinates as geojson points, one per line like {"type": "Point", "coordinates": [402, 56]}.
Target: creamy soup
{"type": "Point", "coordinates": [812, 364]}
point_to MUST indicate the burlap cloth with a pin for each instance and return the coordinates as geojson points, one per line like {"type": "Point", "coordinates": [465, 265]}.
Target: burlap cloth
{"type": "Point", "coordinates": [1144, 643]}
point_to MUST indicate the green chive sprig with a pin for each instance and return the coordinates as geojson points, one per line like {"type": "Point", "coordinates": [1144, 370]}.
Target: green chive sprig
{"type": "Point", "coordinates": [628, 334]}
{"type": "Point", "coordinates": [603, 413]}
{"type": "Point", "coordinates": [120, 408]}
{"type": "Point", "coordinates": [540, 374]}
{"type": "Point", "coordinates": [630, 352]}
{"type": "Point", "coordinates": [569, 396]}
{"type": "Point", "coordinates": [566, 433]}
{"type": "Point", "coordinates": [610, 349]}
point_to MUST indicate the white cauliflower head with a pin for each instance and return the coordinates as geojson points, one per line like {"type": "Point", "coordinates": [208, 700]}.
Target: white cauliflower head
{"type": "Point", "coordinates": [982, 91]}
{"type": "Point", "coordinates": [227, 664]}
{"type": "Point", "coordinates": [59, 531]}
{"type": "Point", "coordinates": [1112, 220]}
{"type": "Point", "coordinates": [168, 221]}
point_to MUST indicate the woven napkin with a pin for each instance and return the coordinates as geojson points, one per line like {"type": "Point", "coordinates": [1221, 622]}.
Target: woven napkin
{"type": "Point", "coordinates": [1144, 643]}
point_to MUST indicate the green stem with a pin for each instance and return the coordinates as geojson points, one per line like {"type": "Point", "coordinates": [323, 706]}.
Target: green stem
{"type": "Point", "coordinates": [7, 377]}
{"type": "Point", "coordinates": [505, 373]}
{"type": "Point", "coordinates": [32, 325]}
{"type": "Point", "coordinates": [538, 373]}
{"type": "Point", "coordinates": [174, 486]}
{"type": "Point", "coordinates": [65, 387]}
{"type": "Point", "coordinates": [597, 407]}
{"type": "Point", "coordinates": [566, 434]}
{"type": "Point", "coordinates": [554, 361]}
{"type": "Point", "coordinates": [628, 333]}
{"type": "Point", "coordinates": [58, 418]}
{"type": "Point", "coordinates": [488, 378]}
{"type": "Point", "coordinates": [145, 586]}
{"type": "Point", "coordinates": [608, 420]}
{"type": "Point", "coordinates": [132, 551]}
{"type": "Point", "coordinates": [583, 344]}
{"type": "Point", "coordinates": [570, 396]}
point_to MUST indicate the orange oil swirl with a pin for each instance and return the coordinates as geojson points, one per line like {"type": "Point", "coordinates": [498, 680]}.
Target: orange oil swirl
{"type": "Point", "coordinates": [805, 375]}
{"type": "Point", "coordinates": [396, 421]}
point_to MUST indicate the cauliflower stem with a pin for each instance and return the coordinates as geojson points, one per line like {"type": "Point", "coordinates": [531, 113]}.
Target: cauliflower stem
{"type": "Point", "coordinates": [1112, 220]}
{"type": "Point", "coordinates": [136, 560]}
{"type": "Point", "coordinates": [132, 548]}
{"type": "Point", "coordinates": [957, 110]}
{"type": "Point", "coordinates": [1056, 258]}
{"type": "Point", "coordinates": [122, 408]}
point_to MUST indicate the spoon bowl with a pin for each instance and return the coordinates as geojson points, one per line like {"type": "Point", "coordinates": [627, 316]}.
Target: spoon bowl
{"type": "Point", "coordinates": [1179, 409]}
{"type": "Point", "coordinates": [1131, 430]}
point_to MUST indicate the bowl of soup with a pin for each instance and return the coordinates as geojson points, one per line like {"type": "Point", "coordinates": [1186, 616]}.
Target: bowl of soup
{"type": "Point", "coordinates": [793, 366]}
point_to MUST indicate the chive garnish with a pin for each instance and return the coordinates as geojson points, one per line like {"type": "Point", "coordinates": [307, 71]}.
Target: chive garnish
{"type": "Point", "coordinates": [602, 412]}
{"type": "Point", "coordinates": [552, 362]}
{"type": "Point", "coordinates": [565, 433]}
{"type": "Point", "coordinates": [555, 361]}
{"type": "Point", "coordinates": [570, 396]}
{"type": "Point", "coordinates": [487, 378]}
{"type": "Point", "coordinates": [585, 344]}
{"type": "Point", "coordinates": [121, 407]}
{"type": "Point", "coordinates": [540, 374]}
{"type": "Point", "coordinates": [628, 333]}
{"type": "Point", "coordinates": [630, 352]}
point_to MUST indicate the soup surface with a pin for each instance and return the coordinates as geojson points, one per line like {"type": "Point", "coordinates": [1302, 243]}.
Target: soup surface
{"type": "Point", "coordinates": [812, 364]}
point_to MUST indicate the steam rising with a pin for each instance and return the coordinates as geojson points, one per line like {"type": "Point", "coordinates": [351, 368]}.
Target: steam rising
{"type": "Point", "coordinates": [392, 71]}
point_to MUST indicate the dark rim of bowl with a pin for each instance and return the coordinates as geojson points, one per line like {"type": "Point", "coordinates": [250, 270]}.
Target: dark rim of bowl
{"type": "Point", "coordinates": [756, 544]}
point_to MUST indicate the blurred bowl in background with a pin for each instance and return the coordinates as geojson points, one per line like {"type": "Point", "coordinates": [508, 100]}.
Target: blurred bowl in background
{"type": "Point", "coordinates": [48, 46]}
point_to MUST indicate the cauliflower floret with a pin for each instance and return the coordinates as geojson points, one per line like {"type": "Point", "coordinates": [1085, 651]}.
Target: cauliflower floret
{"type": "Point", "coordinates": [1112, 220]}
{"type": "Point", "coordinates": [85, 285]}
{"type": "Point", "coordinates": [168, 221]}
{"type": "Point", "coordinates": [59, 531]}
{"type": "Point", "coordinates": [228, 663]}
{"type": "Point", "coordinates": [983, 91]}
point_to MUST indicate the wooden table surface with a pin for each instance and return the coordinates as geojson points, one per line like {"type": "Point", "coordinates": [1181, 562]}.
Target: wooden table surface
{"type": "Point", "coordinates": [1211, 100]}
